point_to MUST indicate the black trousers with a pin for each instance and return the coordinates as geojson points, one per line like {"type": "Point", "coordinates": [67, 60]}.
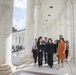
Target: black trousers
{"type": "Point", "coordinates": [66, 54]}
{"type": "Point", "coordinates": [35, 56]}
{"type": "Point", "coordinates": [40, 58]}
{"type": "Point", "coordinates": [50, 60]}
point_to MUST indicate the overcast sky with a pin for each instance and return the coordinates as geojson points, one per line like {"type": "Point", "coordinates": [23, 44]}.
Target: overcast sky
{"type": "Point", "coordinates": [19, 14]}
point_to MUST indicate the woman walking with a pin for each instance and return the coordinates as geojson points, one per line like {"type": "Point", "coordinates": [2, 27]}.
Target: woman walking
{"type": "Point", "coordinates": [34, 51]}
{"type": "Point", "coordinates": [61, 51]}
{"type": "Point", "coordinates": [50, 50]}
{"type": "Point", "coordinates": [40, 46]}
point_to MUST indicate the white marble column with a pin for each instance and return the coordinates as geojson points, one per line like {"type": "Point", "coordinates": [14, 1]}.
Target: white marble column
{"type": "Point", "coordinates": [37, 21]}
{"type": "Point", "coordinates": [6, 17]}
{"type": "Point", "coordinates": [74, 5]}
{"type": "Point", "coordinates": [72, 27]}
{"type": "Point", "coordinates": [29, 32]}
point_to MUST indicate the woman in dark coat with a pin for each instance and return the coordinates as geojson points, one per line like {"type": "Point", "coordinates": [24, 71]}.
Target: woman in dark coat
{"type": "Point", "coordinates": [50, 50]}
{"type": "Point", "coordinates": [40, 46]}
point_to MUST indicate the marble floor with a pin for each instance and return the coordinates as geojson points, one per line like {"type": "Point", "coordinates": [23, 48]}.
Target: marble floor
{"type": "Point", "coordinates": [69, 69]}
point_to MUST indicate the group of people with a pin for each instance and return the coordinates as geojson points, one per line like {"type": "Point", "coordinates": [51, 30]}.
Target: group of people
{"type": "Point", "coordinates": [50, 50]}
{"type": "Point", "coordinates": [16, 48]}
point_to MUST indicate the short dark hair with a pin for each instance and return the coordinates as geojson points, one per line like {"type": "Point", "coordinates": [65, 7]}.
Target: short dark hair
{"type": "Point", "coordinates": [49, 39]}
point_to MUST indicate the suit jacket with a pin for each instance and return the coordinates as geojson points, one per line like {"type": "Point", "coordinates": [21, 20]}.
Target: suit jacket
{"type": "Point", "coordinates": [50, 48]}
{"type": "Point", "coordinates": [40, 47]}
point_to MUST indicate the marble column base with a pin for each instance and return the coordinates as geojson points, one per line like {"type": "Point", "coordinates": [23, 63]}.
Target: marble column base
{"type": "Point", "coordinates": [5, 69]}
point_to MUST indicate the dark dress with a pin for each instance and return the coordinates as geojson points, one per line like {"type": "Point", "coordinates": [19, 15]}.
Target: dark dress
{"type": "Point", "coordinates": [50, 50]}
{"type": "Point", "coordinates": [40, 54]}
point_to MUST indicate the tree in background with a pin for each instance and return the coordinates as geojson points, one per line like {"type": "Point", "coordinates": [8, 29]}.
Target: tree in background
{"type": "Point", "coordinates": [13, 29]}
